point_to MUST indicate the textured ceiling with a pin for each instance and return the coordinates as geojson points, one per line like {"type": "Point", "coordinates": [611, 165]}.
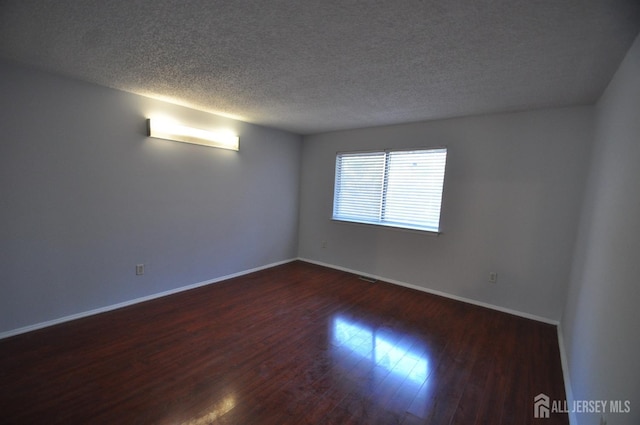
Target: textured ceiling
{"type": "Point", "coordinates": [315, 66]}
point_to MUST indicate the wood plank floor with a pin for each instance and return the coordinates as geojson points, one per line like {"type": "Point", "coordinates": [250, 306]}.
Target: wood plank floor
{"type": "Point", "coordinates": [294, 344]}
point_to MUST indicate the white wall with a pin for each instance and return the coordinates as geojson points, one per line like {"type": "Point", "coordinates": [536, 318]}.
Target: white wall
{"type": "Point", "coordinates": [601, 319]}
{"type": "Point", "coordinates": [513, 188]}
{"type": "Point", "coordinates": [86, 195]}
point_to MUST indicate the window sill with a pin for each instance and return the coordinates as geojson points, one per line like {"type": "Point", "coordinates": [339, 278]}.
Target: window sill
{"type": "Point", "coordinates": [388, 227]}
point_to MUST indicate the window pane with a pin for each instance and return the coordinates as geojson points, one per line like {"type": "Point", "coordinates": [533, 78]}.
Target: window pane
{"type": "Point", "coordinates": [414, 188]}
{"type": "Point", "coordinates": [393, 188]}
{"type": "Point", "coordinates": [358, 186]}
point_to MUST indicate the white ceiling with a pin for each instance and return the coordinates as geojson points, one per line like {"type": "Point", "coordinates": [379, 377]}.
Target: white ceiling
{"type": "Point", "coordinates": [314, 66]}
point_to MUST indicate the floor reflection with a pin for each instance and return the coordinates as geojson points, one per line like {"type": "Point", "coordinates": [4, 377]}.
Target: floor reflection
{"type": "Point", "coordinates": [383, 348]}
{"type": "Point", "coordinates": [217, 411]}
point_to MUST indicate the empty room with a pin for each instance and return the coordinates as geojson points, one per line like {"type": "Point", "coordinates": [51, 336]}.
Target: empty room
{"type": "Point", "coordinates": [320, 212]}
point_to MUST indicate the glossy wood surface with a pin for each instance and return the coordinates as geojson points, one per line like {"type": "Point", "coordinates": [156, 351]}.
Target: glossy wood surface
{"type": "Point", "coordinates": [295, 344]}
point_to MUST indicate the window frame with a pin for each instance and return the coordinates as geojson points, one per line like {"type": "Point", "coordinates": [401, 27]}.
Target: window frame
{"type": "Point", "coordinates": [410, 227]}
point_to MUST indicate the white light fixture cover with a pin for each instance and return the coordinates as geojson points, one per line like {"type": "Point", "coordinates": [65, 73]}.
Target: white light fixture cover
{"type": "Point", "coordinates": [167, 130]}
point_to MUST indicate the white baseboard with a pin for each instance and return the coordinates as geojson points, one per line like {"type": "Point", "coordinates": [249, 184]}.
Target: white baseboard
{"type": "Point", "coordinates": [48, 323]}
{"type": "Point", "coordinates": [435, 292]}
{"type": "Point", "coordinates": [573, 420]}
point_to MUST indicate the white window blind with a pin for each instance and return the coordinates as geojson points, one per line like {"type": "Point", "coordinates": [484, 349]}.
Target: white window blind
{"type": "Point", "coordinates": [400, 188]}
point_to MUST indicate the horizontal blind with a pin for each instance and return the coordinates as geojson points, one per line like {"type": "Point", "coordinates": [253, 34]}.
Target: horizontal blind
{"type": "Point", "coordinates": [414, 183]}
{"type": "Point", "coordinates": [358, 186]}
{"type": "Point", "coordinates": [394, 188]}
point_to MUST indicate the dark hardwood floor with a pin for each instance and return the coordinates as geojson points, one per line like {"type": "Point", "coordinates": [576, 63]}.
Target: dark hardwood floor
{"type": "Point", "coordinates": [295, 344]}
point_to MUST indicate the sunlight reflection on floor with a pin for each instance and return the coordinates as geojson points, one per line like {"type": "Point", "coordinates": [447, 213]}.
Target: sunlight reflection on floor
{"type": "Point", "coordinates": [372, 345]}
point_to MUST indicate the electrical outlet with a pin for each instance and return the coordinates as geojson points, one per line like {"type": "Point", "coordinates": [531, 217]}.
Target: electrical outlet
{"type": "Point", "coordinates": [139, 269]}
{"type": "Point", "coordinates": [493, 277]}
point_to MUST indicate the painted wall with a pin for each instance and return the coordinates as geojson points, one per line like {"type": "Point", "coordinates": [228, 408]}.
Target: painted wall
{"type": "Point", "coordinates": [601, 319]}
{"type": "Point", "coordinates": [513, 188]}
{"type": "Point", "coordinates": [86, 195]}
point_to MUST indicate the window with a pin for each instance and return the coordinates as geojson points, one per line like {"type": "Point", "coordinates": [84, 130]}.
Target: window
{"type": "Point", "coordinates": [398, 188]}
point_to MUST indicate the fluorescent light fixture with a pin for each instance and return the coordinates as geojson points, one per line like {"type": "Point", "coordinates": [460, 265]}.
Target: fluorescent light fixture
{"type": "Point", "coordinates": [163, 129]}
